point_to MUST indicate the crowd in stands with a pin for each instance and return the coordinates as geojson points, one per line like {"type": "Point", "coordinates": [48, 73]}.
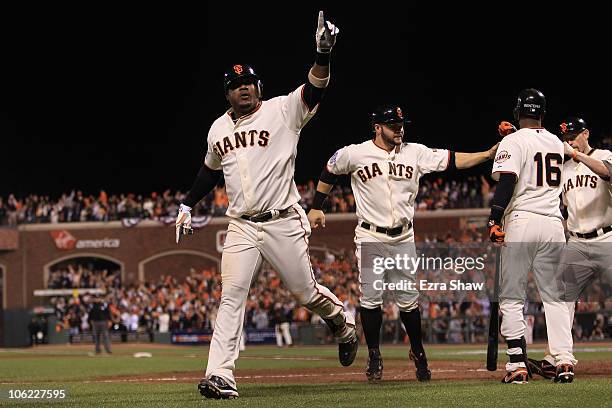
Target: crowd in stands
{"type": "Point", "coordinates": [81, 276]}
{"type": "Point", "coordinates": [434, 194]}
{"type": "Point", "coordinates": [190, 304]}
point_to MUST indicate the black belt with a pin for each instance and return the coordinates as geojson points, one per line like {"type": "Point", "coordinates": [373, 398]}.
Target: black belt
{"type": "Point", "coordinates": [592, 234]}
{"type": "Point", "coordinates": [264, 216]}
{"type": "Point", "coordinates": [388, 231]}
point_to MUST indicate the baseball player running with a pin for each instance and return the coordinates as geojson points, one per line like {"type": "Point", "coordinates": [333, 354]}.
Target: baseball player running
{"type": "Point", "coordinates": [385, 175]}
{"type": "Point", "coordinates": [528, 165]}
{"type": "Point", "coordinates": [587, 195]}
{"type": "Point", "coordinates": [254, 144]}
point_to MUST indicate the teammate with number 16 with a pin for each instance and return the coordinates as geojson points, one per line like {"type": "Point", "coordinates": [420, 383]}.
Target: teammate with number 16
{"type": "Point", "coordinates": [528, 165]}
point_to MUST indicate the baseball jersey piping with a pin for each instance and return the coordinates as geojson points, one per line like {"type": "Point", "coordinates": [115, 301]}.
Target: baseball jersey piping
{"type": "Point", "coordinates": [309, 263]}
{"type": "Point", "coordinates": [380, 147]}
{"type": "Point", "coordinates": [304, 101]}
{"type": "Point", "coordinates": [229, 113]}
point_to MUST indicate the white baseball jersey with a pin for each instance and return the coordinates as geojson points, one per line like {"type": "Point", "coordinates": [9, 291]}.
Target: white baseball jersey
{"type": "Point", "coordinates": [385, 184]}
{"type": "Point", "coordinates": [535, 156]}
{"type": "Point", "coordinates": [587, 196]}
{"type": "Point", "coordinates": [257, 154]}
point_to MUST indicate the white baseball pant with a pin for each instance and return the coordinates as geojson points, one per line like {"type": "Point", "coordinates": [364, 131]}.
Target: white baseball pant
{"type": "Point", "coordinates": [283, 242]}
{"type": "Point", "coordinates": [534, 242]}
{"type": "Point", "coordinates": [371, 246]}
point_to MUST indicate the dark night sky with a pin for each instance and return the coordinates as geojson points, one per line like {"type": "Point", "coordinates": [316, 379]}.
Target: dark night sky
{"type": "Point", "coordinates": [122, 99]}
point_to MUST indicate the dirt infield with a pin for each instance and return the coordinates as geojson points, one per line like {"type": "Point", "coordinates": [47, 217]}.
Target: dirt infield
{"type": "Point", "coordinates": [398, 369]}
{"type": "Point", "coordinates": [395, 370]}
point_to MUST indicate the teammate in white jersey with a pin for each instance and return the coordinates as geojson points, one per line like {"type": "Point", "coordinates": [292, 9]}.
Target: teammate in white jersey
{"type": "Point", "coordinates": [254, 145]}
{"type": "Point", "coordinates": [587, 196]}
{"type": "Point", "coordinates": [385, 175]}
{"type": "Point", "coordinates": [528, 165]}
{"type": "Point", "coordinates": [587, 191]}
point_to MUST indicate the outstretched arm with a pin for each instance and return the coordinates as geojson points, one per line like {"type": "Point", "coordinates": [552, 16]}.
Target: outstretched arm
{"type": "Point", "coordinates": [599, 167]}
{"type": "Point", "coordinates": [467, 160]}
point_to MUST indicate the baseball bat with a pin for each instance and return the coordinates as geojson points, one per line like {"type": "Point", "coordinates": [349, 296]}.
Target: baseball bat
{"type": "Point", "coordinates": [492, 345]}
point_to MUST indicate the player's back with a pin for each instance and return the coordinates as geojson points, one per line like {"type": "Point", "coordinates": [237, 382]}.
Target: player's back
{"type": "Point", "coordinates": [535, 156]}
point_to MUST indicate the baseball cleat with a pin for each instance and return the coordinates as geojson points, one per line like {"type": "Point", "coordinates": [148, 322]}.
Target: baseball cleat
{"type": "Point", "coordinates": [542, 368]}
{"type": "Point", "coordinates": [564, 373]}
{"type": "Point", "coordinates": [216, 388]}
{"type": "Point", "coordinates": [374, 369]}
{"type": "Point", "coordinates": [348, 351]}
{"type": "Point", "coordinates": [518, 376]}
{"type": "Point", "coordinates": [420, 362]}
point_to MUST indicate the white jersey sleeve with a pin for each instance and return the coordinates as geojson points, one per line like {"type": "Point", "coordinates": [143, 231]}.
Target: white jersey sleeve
{"type": "Point", "coordinates": [508, 159]}
{"type": "Point", "coordinates": [295, 111]}
{"type": "Point", "coordinates": [212, 159]}
{"type": "Point", "coordinates": [340, 162]}
{"type": "Point", "coordinates": [607, 161]}
{"type": "Point", "coordinates": [431, 160]}
{"type": "Point", "coordinates": [588, 196]}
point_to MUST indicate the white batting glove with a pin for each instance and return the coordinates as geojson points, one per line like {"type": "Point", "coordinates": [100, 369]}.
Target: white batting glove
{"type": "Point", "coordinates": [325, 35]}
{"type": "Point", "coordinates": [569, 150]}
{"type": "Point", "coordinates": [183, 222]}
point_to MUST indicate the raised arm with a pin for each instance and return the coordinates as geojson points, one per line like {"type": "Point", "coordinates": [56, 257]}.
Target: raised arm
{"type": "Point", "coordinates": [318, 77]}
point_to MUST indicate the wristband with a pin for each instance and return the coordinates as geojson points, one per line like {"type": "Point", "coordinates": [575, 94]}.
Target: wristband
{"type": "Point", "coordinates": [319, 199]}
{"type": "Point", "coordinates": [322, 59]}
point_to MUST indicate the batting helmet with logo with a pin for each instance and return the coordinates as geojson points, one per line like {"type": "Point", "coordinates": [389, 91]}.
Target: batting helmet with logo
{"type": "Point", "coordinates": [241, 72]}
{"type": "Point", "coordinates": [388, 114]}
{"type": "Point", "coordinates": [572, 127]}
{"type": "Point", "coordinates": [530, 103]}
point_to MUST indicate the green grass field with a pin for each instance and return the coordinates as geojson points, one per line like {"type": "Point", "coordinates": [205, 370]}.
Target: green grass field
{"type": "Point", "coordinates": [169, 378]}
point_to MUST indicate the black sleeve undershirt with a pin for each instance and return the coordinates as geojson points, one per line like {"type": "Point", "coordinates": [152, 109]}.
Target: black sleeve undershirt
{"type": "Point", "coordinates": [205, 181]}
{"type": "Point", "coordinates": [327, 178]}
{"type": "Point", "coordinates": [451, 162]}
{"type": "Point", "coordinates": [502, 196]}
{"type": "Point", "coordinates": [313, 95]}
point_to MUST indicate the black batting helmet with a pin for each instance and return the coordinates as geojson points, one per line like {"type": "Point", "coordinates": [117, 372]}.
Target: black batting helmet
{"type": "Point", "coordinates": [572, 127]}
{"type": "Point", "coordinates": [388, 114]}
{"type": "Point", "coordinates": [530, 103]}
{"type": "Point", "coordinates": [241, 71]}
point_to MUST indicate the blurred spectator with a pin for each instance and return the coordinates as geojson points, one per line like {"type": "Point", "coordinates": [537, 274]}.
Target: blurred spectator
{"type": "Point", "coordinates": [434, 193]}
{"type": "Point", "coordinates": [282, 320]}
{"type": "Point", "coordinates": [99, 315]}
{"type": "Point", "coordinates": [37, 329]}
{"type": "Point", "coordinates": [164, 322]}
{"type": "Point", "coordinates": [260, 319]}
